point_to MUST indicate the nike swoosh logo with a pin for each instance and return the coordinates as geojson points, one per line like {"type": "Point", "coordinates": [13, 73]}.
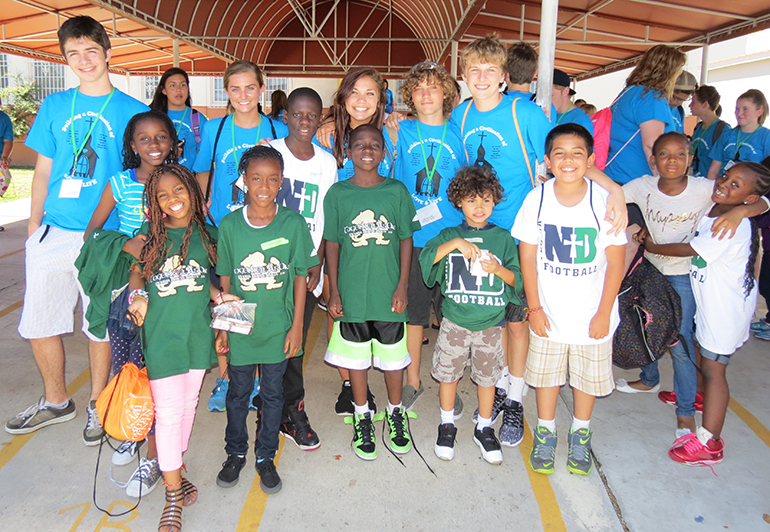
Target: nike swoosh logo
{"type": "Point", "coordinates": [583, 442]}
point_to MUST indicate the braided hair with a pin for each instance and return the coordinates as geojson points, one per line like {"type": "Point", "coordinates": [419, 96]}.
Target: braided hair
{"type": "Point", "coordinates": [132, 159]}
{"type": "Point", "coordinates": [761, 187]}
{"type": "Point", "coordinates": [155, 250]}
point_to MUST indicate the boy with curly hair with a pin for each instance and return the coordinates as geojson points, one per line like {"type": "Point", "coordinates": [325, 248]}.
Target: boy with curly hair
{"type": "Point", "coordinates": [477, 265]}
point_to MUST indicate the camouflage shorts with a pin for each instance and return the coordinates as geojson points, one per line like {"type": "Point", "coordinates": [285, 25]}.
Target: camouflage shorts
{"type": "Point", "coordinates": [456, 345]}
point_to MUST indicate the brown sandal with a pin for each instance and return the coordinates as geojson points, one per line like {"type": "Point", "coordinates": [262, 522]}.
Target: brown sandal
{"type": "Point", "coordinates": [171, 518]}
{"type": "Point", "coordinates": [190, 492]}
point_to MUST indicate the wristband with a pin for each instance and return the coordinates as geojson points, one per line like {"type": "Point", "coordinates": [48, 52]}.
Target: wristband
{"type": "Point", "coordinates": [216, 298]}
{"type": "Point", "coordinates": [535, 310]}
{"type": "Point", "coordinates": [138, 293]}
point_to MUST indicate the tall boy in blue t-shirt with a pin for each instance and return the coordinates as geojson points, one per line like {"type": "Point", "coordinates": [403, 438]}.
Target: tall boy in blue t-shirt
{"type": "Point", "coordinates": [78, 135]}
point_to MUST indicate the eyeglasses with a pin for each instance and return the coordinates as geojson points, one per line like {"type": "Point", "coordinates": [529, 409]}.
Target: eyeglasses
{"type": "Point", "coordinates": [681, 100]}
{"type": "Point", "coordinates": [427, 65]}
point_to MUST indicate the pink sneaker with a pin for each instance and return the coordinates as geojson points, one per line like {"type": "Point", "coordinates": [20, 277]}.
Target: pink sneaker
{"type": "Point", "coordinates": [670, 399]}
{"type": "Point", "coordinates": [690, 451]}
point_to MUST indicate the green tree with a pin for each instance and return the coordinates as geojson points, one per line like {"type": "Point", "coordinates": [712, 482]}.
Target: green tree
{"type": "Point", "coordinates": [20, 104]}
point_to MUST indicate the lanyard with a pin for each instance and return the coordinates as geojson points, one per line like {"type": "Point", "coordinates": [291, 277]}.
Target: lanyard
{"type": "Point", "coordinates": [235, 154]}
{"type": "Point", "coordinates": [738, 142]}
{"type": "Point", "coordinates": [695, 142]}
{"type": "Point", "coordinates": [565, 112]}
{"type": "Point", "coordinates": [431, 171]}
{"type": "Point", "coordinates": [181, 123]}
{"type": "Point", "coordinates": [79, 150]}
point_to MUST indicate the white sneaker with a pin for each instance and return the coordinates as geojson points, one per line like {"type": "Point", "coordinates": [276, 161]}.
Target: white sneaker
{"type": "Point", "coordinates": [144, 479]}
{"type": "Point", "coordinates": [621, 385]}
{"type": "Point", "coordinates": [126, 452]}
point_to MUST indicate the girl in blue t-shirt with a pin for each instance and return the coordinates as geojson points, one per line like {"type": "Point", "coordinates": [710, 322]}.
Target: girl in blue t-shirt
{"type": "Point", "coordinates": [359, 100]}
{"type": "Point", "coordinates": [705, 105]}
{"type": "Point", "coordinates": [172, 96]}
{"type": "Point", "coordinates": [749, 141]}
{"type": "Point", "coordinates": [149, 141]}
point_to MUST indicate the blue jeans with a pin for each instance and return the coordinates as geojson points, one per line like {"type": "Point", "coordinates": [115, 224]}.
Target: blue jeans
{"type": "Point", "coordinates": [237, 403]}
{"type": "Point", "coordinates": [685, 374]}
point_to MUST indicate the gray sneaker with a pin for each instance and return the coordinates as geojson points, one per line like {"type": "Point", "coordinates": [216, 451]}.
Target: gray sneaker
{"type": "Point", "coordinates": [543, 451]}
{"type": "Point", "coordinates": [144, 479]}
{"type": "Point", "coordinates": [409, 396]}
{"type": "Point", "coordinates": [38, 416]}
{"type": "Point", "coordinates": [458, 406]}
{"type": "Point", "coordinates": [512, 430]}
{"type": "Point", "coordinates": [126, 452]}
{"type": "Point", "coordinates": [579, 457]}
{"type": "Point", "coordinates": [93, 432]}
{"type": "Point", "coordinates": [497, 406]}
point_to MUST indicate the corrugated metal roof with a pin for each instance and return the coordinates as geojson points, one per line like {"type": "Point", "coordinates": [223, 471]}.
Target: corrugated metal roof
{"type": "Point", "coordinates": [325, 38]}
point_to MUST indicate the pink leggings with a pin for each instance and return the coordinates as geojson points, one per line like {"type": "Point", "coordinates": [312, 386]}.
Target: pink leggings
{"type": "Point", "coordinates": [176, 399]}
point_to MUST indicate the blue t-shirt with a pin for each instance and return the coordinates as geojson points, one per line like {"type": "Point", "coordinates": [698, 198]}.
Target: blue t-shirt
{"type": "Point", "coordinates": [389, 103]}
{"type": "Point", "coordinates": [753, 146]}
{"type": "Point", "coordinates": [347, 170]}
{"type": "Point", "coordinates": [225, 195]}
{"type": "Point", "coordinates": [490, 140]}
{"type": "Point", "coordinates": [530, 96]}
{"type": "Point", "coordinates": [576, 116]}
{"type": "Point", "coordinates": [69, 206]}
{"type": "Point", "coordinates": [184, 130]}
{"type": "Point", "coordinates": [677, 117]}
{"type": "Point", "coordinates": [702, 142]}
{"type": "Point", "coordinates": [634, 107]}
{"type": "Point", "coordinates": [127, 193]}
{"type": "Point", "coordinates": [411, 171]}
{"type": "Point", "coordinates": [6, 127]}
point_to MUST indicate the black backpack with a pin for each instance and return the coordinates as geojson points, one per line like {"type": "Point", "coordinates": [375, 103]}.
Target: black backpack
{"type": "Point", "coordinates": [650, 315]}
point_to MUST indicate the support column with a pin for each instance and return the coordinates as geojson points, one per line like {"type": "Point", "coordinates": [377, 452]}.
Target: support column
{"type": "Point", "coordinates": [128, 83]}
{"type": "Point", "coordinates": [704, 69]}
{"type": "Point", "coordinates": [176, 53]}
{"type": "Point", "coordinates": [453, 58]}
{"type": "Point", "coordinates": [547, 52]}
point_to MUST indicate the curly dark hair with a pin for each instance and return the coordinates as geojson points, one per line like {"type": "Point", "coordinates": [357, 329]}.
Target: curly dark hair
{"type": "Point", "coordinates": [426, 71]}
{"type": "Point", "coordinates": [132, 159]}
{"type": "Point", "coordinates": [472, 181]}
{"type": "Point", "coordinates": [761, 186]}
{"type": "Point", "coordinates": [155, 250]}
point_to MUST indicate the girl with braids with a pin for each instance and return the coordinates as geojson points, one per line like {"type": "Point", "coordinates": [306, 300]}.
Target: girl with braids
{"type": "Point", "coordinates": [722, 279]}
{"type": "Point", "coordinates": [170, 294]}
{"type": "Point", "coordinates": [172, 97]}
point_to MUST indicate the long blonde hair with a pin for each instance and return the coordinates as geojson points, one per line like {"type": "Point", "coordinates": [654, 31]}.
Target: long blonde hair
{"type": "Point", "coordinates": [658, 69]}
{"type": "Point", "coordinates": [239, 67]}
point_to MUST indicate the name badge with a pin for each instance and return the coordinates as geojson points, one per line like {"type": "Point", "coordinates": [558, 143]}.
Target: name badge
{"type": "Point", "coordinates": [428, 214]}
{"type": "Point", "coordinates": [70, 188]}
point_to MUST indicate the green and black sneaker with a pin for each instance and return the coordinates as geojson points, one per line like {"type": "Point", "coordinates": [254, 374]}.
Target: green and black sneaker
{"type": "Point", "coordinates": [400, 440]}
{"type": "Point", "coordinates": [543, 450]}
{"type": "Point", "coordinates": [579, 457]}
{"type": "Point", "coordinates": [363, 443]}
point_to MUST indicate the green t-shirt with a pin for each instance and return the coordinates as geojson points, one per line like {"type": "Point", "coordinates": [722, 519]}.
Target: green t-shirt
{"type": "Point", "coordinates": [262, 264]}
{"type": "Point", "coordinates": [177, 333]}
{"type": "Point", "coordinates": [369, 223]}
{"type": "Point", "coordinates": [473, 302]}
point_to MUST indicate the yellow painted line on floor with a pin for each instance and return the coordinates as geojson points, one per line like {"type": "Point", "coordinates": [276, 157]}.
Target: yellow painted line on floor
{"type": "Point", "coordinates": [9, 450]}
{"type": "Point", "coordinates": [550, 513]}
{"type": "Point", "coordinates": [7, 310]}
{"type": "Point", "coordinates": [11, 253]}
{"type": "Point", "coordinates": [750, 420]}
{"type": "Point", "coordinates": [256, 500]}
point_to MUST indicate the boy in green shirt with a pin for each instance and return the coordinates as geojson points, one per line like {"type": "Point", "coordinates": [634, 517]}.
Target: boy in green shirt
{"type": "Point", "coordinates": [477, 266]}
{"type": "Point", "coordinates": [368, 233]}
{"type": "Point", "coordinates": [264, 254]}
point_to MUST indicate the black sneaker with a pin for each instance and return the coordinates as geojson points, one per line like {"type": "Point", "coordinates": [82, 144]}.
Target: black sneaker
{"type": "Point", "coordinates": [231, 470]}
{"type": "Point", "coordinates": [298, 429]}
{"type": "Point", "coordinates": [345, 404]}
{"type": "Point", "coordinates": [445, 444]}
{"type": "Point", "coordinates": [490, 447]}
{"type": "Point", "coordinates": [512, 430]}
{"type": "Point", "coordinates": [269, 480]}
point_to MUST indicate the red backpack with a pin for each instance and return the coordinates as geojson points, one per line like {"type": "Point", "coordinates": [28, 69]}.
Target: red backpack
{"type": "Point", "coordinates": [602, 121]}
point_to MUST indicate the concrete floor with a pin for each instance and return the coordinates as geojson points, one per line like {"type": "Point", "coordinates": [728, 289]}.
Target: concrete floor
{"type": "Point", "coordinates": [46, 479]}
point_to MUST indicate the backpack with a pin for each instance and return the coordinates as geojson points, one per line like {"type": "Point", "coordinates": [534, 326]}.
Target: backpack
{"type": "Point", "coordinates": [602, 121]}
{"type": "Point", "coordinates": [195, 120]}
{"type": "Point", "coordinates": [650, 315]}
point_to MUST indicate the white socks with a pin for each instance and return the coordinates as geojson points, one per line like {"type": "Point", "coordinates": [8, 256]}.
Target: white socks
{"type": "Point", "coordinates": [483, 423]}
{"type": "Point", "coordinates": [502, 382]}
{"type": "Point", "coordinates": [515, 388]}
{"type": "Point", "coordinates": [550, 424]}
{"type": "Point", "coordinates": [392, 407]}
{"type": "Point", "coordinates": [447, 416]}
{"type": "Point", "coordinates": [578, 424]}
{"type": "Point", "coordinates": [361, 410]}
{"type": "Point", "coordinates": [55, 406]}
{"type": "Point", "coordinates": [703, 435]}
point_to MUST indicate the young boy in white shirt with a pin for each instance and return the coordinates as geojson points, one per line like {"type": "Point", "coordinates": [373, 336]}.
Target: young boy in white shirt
{"type": "Point", "coordinates": [572, 270]}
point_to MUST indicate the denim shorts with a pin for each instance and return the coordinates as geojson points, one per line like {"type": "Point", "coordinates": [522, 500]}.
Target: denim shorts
{"type": "Point", "coordinates": [722, 359]}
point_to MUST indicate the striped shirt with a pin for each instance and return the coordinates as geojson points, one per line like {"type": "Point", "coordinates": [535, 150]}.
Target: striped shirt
{"type": "Point", "coordinates": [127, 192]}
